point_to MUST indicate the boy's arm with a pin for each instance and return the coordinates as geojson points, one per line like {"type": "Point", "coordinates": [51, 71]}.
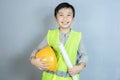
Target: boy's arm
{"type": "Point", "coordinates": [82, 56]}
{"type": "Point", "coordinates": [33, 60]}
{"type": "Point", "coordinates": [40, 46]}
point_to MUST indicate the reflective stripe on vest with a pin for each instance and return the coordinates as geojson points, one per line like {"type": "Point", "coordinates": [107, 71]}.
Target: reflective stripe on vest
{"type": "Point", "coordinates": [52, 76]}
{"type": "Point", "coordinates": [60, 73]}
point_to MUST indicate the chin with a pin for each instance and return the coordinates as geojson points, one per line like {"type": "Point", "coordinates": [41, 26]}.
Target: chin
{"type": "Point", "coordinates": [66, 27]}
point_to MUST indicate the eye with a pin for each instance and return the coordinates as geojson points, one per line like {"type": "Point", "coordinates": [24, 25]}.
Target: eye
{"type": "Point", "coordinates": [60, 15]}
{"type": "Point", "coordinates": [68, 15]}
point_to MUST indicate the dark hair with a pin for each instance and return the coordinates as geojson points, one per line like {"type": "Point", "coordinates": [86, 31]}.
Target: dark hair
{"type": "Point", "coordinates": [64, 5]}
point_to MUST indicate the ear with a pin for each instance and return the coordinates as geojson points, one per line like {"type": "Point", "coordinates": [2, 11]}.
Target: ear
{"type": "Point", "coordinates": [56, 19]}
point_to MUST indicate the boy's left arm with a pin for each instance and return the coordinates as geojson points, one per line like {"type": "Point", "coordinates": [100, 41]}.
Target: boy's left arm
{"type": "Point", "coordinates": [81, 61]}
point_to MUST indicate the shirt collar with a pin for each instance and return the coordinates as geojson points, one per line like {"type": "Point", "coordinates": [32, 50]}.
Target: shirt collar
{"type": "Point", "coordinates": [63, 34]}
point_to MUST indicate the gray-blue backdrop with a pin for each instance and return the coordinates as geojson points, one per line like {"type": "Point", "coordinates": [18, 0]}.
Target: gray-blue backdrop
{"type": "Point", "coordinates": [24, 23]}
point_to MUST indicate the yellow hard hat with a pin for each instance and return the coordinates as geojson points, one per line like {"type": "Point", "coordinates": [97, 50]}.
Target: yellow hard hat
{"type": "Point", "coordinates": [49, 57]}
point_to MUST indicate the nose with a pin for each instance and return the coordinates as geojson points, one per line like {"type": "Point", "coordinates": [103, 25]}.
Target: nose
{"type": "Point", "coordinates": [65, 18]}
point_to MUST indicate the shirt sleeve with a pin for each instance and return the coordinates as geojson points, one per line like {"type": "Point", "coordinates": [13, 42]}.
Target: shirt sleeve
{"type": "Point", "coordinates": [81, 54]}
{"type": "Point", "coordinates": [42, 44]}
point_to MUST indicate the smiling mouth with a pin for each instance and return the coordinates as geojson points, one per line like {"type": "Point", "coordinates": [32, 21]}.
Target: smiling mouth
{"type": "Point", "coordinates": [65, 23]}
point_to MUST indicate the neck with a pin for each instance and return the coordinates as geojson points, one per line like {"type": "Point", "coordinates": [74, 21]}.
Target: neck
{"type": "Point", "coordinates": [65, 30]}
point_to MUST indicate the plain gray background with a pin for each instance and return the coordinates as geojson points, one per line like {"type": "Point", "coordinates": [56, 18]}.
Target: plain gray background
{"type": "Point", "coordinates": [24, 23]}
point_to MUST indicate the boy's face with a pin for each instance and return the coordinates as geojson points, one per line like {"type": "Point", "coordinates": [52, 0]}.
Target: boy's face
{"type": "Point", "coordinates": [64, 18]}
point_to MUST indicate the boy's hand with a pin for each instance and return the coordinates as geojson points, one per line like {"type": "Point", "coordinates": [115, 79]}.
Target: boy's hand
{"type": "Point", "coordinates": [39, 64]}
{"type": "Point", "coordinates": [76, 69]}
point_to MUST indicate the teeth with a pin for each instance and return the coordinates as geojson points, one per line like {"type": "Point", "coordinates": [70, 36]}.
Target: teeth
{"type": "Point", "coordinates": [65, 23]}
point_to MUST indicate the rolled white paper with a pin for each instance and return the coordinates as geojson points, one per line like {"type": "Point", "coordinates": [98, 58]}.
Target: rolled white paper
{"type": "Point", "coordinates": [66, 58]}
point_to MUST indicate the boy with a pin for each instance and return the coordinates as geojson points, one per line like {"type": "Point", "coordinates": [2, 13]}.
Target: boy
{"type": "Point", "coordinates": [72, 40]}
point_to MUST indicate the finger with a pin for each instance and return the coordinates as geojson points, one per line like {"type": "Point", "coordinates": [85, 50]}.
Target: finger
{"type": "Point", "coordinates": [70, 69]}
{"type": "Point", "coordinates": [44, 65]}
{"type": "Point", "coordinates": [42, 57]}
{"type": "Point", "coordinates": [70, 73]}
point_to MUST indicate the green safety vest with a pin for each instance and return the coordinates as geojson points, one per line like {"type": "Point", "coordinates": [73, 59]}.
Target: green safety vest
{"type": "Point", "coordinates": [71, 47]}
